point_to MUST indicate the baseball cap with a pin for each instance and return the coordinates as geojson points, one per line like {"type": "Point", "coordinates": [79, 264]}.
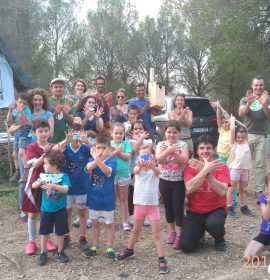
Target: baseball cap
{"type": "Point", "coordinates": [59, 80]}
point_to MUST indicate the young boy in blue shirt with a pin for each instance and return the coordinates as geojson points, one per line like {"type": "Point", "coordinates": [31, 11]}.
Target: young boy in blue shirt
{"type": "Point", "coordinates": [54, 186]}
{"type": "Point", "coordinates": [101, 197]}
{"type": "Point", "coordinates": [77, 154]}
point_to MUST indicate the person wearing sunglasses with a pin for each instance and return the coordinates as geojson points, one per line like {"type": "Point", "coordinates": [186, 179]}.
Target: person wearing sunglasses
{"type": "Point", "coordinates": [119, 111]}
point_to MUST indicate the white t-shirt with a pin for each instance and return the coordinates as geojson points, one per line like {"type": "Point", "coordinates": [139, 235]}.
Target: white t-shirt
{"type": "Point", "coordinates": [240, 157]}
{"type": "Point", "coordinates": [146, 188]}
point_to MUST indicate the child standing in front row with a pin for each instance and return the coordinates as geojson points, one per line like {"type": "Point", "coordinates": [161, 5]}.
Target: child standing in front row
{"type": "Point", "coordinates": [101, 197]}
{"type": "Point", "coordinates": [77, 154]}
{"type": "Point", "coordinates": [146, 204]}
{"type": "Point", "coordinates": [123, 153]}
{"type": "Point", "coordinates": [262, 241]}
{"type": "Point", "coordinates": [172, 156]}
{"type": "Point", "coordinates": [140, 136]}
{"type": "Point", "coordinates": [32, 197]}
{"type": "Point", "coordinates": [54, 186]}
{"type": "Point", "coordinates": [239, 163]}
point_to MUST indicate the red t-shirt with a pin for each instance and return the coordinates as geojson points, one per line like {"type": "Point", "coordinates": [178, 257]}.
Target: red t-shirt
{"type": "Point", "coordinates": [205, 200]}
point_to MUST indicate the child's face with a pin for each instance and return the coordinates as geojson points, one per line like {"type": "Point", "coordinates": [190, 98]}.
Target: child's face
{"type": "Point", "coordinates": [172, 134]}
{"type": "Point", "coordinates": [118, 134]}
{"type": "Point", "coordinates": [138, 129]}
{"type": "Point", "coordinates": [49, 168]}
{"type": "Point", "coordinates": [100, 148]}
{"type": "Point", "coordinates": [132, 116]}
{"type": "Point", "coordinates": [21, 104]}
{"type": "Point", "coordinates": [43, 134]}
{"type": "Point", "coordinates": [225, 123]}
{"type": "Point", "coordinates": [241, 137]}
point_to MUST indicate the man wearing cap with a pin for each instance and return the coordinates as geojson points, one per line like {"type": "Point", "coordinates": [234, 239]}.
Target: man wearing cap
{"type": "Point", "coordinates": [62, 108]}
{"type": "Point", "coordinates": [255, 110]}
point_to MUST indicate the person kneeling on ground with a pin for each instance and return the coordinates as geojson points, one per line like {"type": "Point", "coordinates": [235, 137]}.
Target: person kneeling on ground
{"type": "Point", "coordinates": [207, 181]}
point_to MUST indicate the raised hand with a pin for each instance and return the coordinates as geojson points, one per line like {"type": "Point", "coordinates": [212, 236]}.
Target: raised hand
{"type": "Point", "coordinates": [84, 137]}
{"type": "Point", "coordinates": [99, 112]}
{"type": "Point", "coordinates": [24, 120]}
{"type": "Point", "coordinates": [249, 96]}
{"type": "Point", "coordinates": [264, 97]}
{"type": "Point", "coordinates": [69, 135]}
{"type": "Point", "coordinates": [66, 107]}
{"type": "Point", "coordinates": [12, 106]}
{"type": "Point", "coordinates": [57, 107]}
{"type": "Point", "coordinates": [196, 164]}
{"type": "Point", "coordinates": [210, 166]}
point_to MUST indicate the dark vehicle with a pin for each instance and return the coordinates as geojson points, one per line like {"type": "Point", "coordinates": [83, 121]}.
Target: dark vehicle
{"type": "Point", "coordinates": [204, 118]}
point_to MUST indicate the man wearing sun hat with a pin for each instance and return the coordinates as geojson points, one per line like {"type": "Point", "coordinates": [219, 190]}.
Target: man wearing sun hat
{"type": "Point", "coordinates": [62, 108]}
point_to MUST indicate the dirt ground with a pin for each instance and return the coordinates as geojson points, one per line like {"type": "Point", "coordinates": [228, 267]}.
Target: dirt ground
{"type": "Point", "coordinates": [206, 263]}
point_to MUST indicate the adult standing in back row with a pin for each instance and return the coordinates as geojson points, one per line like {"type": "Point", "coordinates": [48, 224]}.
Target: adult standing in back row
{"type": "Point", "coordinates": [255, 111]}
{"type": "Point", "coordinates": [144, 106]}
{"type": "Point", "coordinates": [62, 108]}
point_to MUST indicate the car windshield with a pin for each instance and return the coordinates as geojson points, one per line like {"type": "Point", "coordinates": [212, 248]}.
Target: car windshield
{"type": "Point", "coordinates": [200, 107]}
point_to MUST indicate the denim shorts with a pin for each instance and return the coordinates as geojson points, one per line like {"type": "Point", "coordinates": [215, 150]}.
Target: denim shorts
{"type": "Point", "coordinates": [21, 139]}
{"type": "Point", "coordinates": [122, 181]}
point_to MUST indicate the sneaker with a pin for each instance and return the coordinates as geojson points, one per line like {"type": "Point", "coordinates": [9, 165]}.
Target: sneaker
{"type": "Point", "coordinates": [131, 220]}
{"type": "Point", "coordinates": [31, 248]}
{"type": "Point", "coordinates": [84, 245]}
{"type": "Point", "coordinates": [171, 237]}
{"type": "Point", "coordinates": [76, 223]}
{"type": "Point", "coordinates": [42, 259]}
{"type": "Point", "coordinates": [66, 241]}
{"type": "Point", "coordinates": [231, 212]}
{"type": "Point", "coordinates": [162, 267]}
{"type": "Point", "coordinates": [111, 254]}
{"type": "Point", "coordinates": [51, 247]}
{"type": "Point", "coordinates": [89, 223]}
{"type": "Point", "coordinates": [221, 246]}
{"type": "Point", "coordinates": [126, 227]}
{"type": "Point", "coordinates": [92, 252]}
{"type": "Point", "coordinates": [146, 222]}
{"type": "Point", "coordinates": [126, 254]}
{"type": "Point", "coordinates": [246, 211]}
{"type": "Point", "coordinates": [176, 244]}
{"type": "Point", "coordinates": [23, 217]}
{"type": "Point", "coordinates": [235, 204]}
{"type": "Point", "coordinates": [15, 178]}
{"type": "Point", "coordinates": [62, 257]}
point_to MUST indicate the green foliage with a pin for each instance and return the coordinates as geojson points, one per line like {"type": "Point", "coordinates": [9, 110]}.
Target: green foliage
{"type": "Point", "coordinates": [209, 47]}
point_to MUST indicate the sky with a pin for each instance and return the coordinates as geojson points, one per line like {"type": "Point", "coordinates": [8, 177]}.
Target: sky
{"type": "Point", "coordinates": [144, 7]}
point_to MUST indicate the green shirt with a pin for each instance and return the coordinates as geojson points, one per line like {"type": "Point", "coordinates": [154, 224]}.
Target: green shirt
{"type": "Point", "coordinates": [123, 166]}
{"type": "Point", "coordinates": [60, 121]}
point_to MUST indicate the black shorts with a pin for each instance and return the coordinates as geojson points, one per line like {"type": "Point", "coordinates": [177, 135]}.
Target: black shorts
{"type": "Point", "coordinates": [263, 239]}
{"type": "Point", "coordinates": [58, 219]}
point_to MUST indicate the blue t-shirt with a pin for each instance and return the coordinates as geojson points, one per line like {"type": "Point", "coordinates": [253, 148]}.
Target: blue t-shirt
{"type": "Point", "coordinates": [53, 201]}
{"type": "Point", "coordinates": [265, 225]}
{"type": "Point", "coordinates": [123, 166]}
{"type": "Point", "coordinates": [101, 192]}
{"type": "Point", "coordinates": [146, 115]}
{"type": "Point", "coordinates": [90, 125]}
{"type": "Point", "coordinates": [76, 161]}
{"type": "Point", "coordinates": [44, 116]}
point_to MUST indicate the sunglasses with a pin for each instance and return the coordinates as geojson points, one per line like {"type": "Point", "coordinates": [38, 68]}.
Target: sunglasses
{"type": "Point", "coordinates": [120, 96]}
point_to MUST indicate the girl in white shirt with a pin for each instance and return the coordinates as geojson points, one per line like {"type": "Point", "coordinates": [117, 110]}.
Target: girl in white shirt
{"type": "Point", "coordinates": [239, 163]}
{"type": "Point", "coordinates": [146, 204]}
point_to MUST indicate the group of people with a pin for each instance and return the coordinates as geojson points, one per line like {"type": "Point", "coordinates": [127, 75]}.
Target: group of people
{"type": "Point", "coordinates": [81, 151]}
